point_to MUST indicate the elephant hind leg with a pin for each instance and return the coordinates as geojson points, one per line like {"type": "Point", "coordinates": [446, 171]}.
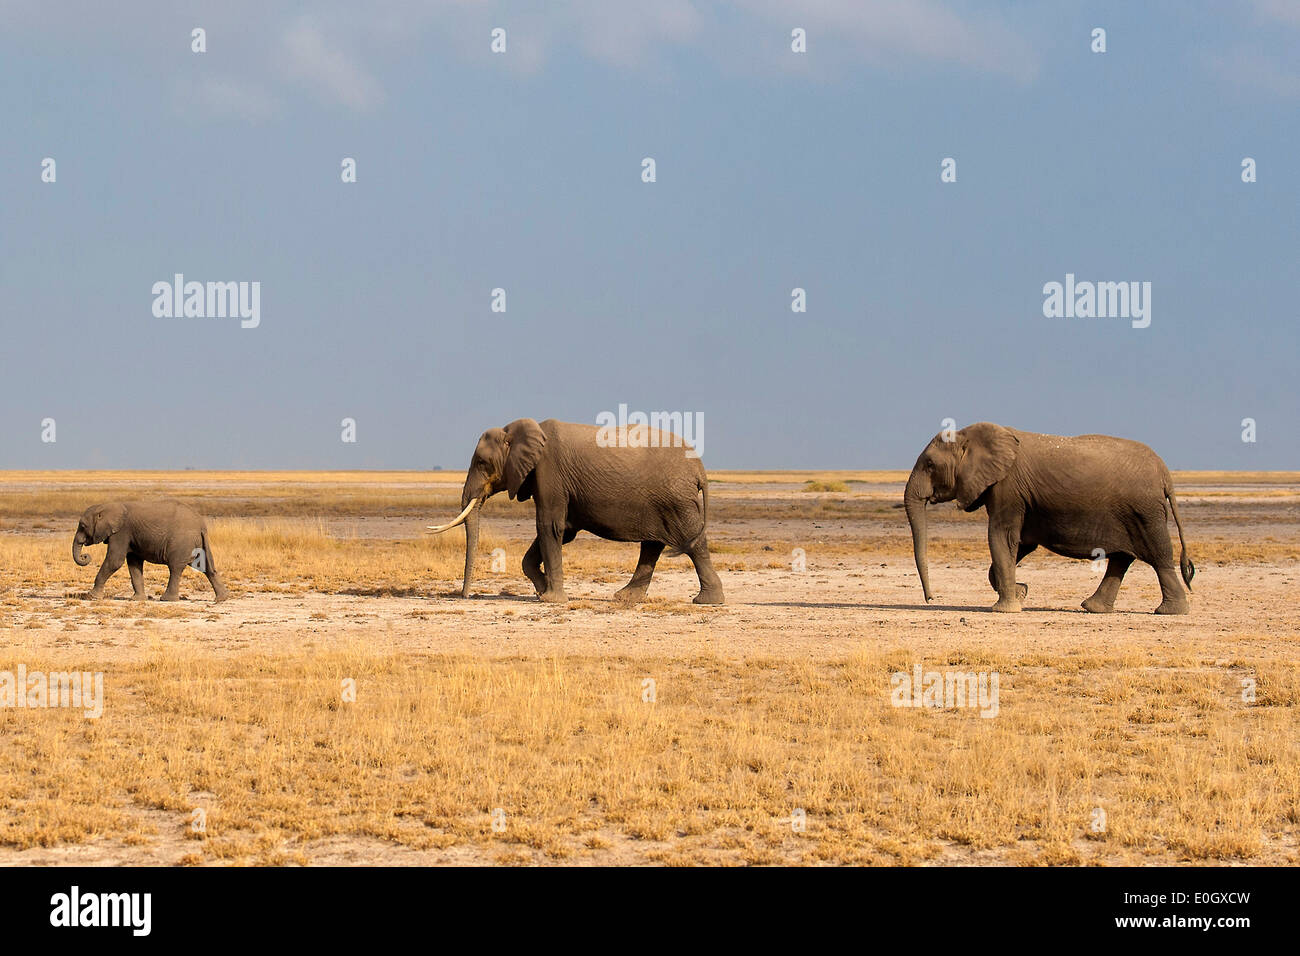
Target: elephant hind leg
{"type": "Point", "coordinates": [1173, 597]}
{"type": "Point", "coordinates": [135, 565]}
{"type": "Point", "coordinates": [207, 566]}
{"type": "Point", "coordinates": [710, 584]}
{"type": "Point", "coordinates": [1102, 600]}
{"type": "Point", "coordinates": [636, 589]}
{"type": "Point", "coordinates": [1155, 548]}
{"type": "Point", "coordinates": [173, 592]}
{"type": "Point", "coordinates": [218, 586]}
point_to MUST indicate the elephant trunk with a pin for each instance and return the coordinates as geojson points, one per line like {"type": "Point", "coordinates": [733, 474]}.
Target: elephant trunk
{"type": "Point", "coordinates": [914, 501]}
{"type": "Point", "coordinates": [469, 517]}
{"type": "Point", "coordinates": [78, 555]}
{"type": "Point", "coordinates": [471, 548]}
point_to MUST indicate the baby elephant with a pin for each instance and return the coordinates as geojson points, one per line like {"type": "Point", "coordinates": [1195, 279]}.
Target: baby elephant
{"type": "Point", "coordinates": [160, 532]}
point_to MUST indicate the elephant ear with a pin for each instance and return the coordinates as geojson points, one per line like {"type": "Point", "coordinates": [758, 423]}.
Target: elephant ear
{"type": "Point", "coordinates": [107, 522]}
{"type": "Point", "coordinates": [526, 441]}
{"type": "Point", "coordinates": [987, 453]}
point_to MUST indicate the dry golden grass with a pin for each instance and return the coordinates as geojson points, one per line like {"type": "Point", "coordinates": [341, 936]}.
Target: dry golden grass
{"type": "Point", "coordinates": [583, 767]}
{"type": "Point", "coordinates": [257, 479]}
{"type": "Point", "coordinates": [1155, 733]}
{"type": "Point", "coordinates": [799, 477]}
{"type": "Point", "coordinates": [258, 555]}
{"type": "Point", "coordinates": [284, 555]}
{"type": "Point", "coordinates": [302, 555]}
{"type": "Point", "coordinates": [818, 485]}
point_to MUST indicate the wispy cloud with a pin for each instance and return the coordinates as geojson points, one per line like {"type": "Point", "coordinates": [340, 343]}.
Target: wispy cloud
{"type": "Point", "coordinates": [1278, 11]}
{"type": "Point", "coordinates": [1250, 69]}
{"type": "Point", "coordinates": [320, 63]}
{"type": "Point", "coordinates": [890, 34]}
{"type": "Point", "coordinates": [626, 35]}
{"type": "Point", "coordinates": [1269, 65]}
{"type": "Point", "coordinates": [230, 97]}
{"type": "Point", "coordinates": [338, 51]}
{"type": "Point", "coordinates": [899, 32]}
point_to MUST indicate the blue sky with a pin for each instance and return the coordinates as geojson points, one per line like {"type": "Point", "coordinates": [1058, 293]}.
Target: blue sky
{"type": "Point", "coordinates": [522, 171]}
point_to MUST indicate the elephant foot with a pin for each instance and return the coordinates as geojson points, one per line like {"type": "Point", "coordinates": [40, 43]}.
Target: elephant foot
{"type": "Point", "coordinates": [93, 595]}
{"type": "Point", "coordinates": [170, 597]}
{"type": "Point", "coordinates": [1007, 605]}
{"type": "Point", "coordinates": [1095, 605]}
{"type": "Point", "coordinates": [630, 594]}
{"type": "Point", "coordinates": [553, 596]}
{"type": "Point", "coordinates": [710, 597]}
{"type": "Point", "coordinates": [220, 596]}
{"type": "Point", "coordinates": [140, 596]}
{"type": "Point", "coordinates": [1174, 607]}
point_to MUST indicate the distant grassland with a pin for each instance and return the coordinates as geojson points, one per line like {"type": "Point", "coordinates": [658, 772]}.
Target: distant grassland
{"type": "Point", "coordinates": [297, 531]}
{"type": "Point", "coordinates": [457, 477]}
{"type": "Point", "coordinates": [61, 494]}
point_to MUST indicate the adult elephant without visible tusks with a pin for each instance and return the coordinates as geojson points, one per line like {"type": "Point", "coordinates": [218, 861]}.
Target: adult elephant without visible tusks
{"type": "Point", "coordinates": [647, 489]}
{"type": "Point", "coordinates": [160, 532]}
{"type": "Point", "coordinates": [1079, 497]}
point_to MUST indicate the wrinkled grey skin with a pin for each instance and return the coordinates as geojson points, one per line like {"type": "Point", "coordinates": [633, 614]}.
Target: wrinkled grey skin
{"type": "Point", "coordinates": [1069, 495]}
{"type": "Point", "coordinates": [656, 496]}
{"type": "Point", "coordinates": [159, 531]}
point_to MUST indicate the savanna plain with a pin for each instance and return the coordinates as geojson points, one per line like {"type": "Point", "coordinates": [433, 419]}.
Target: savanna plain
{"type": "Point", "coordinates": [346, 706]}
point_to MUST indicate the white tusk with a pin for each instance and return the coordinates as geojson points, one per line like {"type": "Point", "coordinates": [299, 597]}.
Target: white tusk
{"type": "Point", "coordinates": [459, 520]}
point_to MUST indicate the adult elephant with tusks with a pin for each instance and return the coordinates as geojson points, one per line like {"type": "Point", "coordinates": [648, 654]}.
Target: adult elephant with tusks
{"type": "Point", "coordinates": [1080, 497]}
{"type": "Point", "coordinates": [625, 484]}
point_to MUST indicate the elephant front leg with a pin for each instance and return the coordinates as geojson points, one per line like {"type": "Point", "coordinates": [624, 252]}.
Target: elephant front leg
{"type": "Point", "coordinates": [636, 589]}
{"type": "Point", "coordinates": [1004, 544]}
{"type": "Point", "coordinates": [135, 565]}
{"type": "Point", "coordinates": [1103, 599]}
{"type": "Point", "coordinates": [533, 566]}
{"type": "Point", "coordinates": [1022, 590]}
{"type": "Point", "coordinates": [112, 562]}
{"type": "Point", "coordinates": [549, 539]}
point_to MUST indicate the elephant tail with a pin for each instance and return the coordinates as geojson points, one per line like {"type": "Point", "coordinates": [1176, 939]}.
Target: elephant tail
{"type": "Point", "coordinates": [1184, 562]}
{"type": "Point", "coordinates": [207, 551]}
{"type": "Point", "coordinates": [704, 515]}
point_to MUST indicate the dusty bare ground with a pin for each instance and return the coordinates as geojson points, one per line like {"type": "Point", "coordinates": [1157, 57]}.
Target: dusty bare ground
{"type": "Point", "coordinates": [1183, 731]}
